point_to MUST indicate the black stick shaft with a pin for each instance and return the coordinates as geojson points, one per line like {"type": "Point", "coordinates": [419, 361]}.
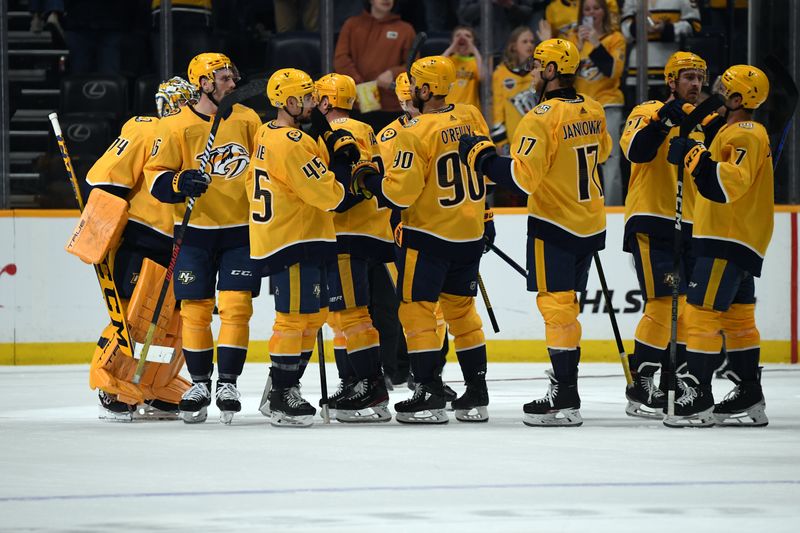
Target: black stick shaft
{"type": "Point", "coordinates": [513, 264]}
{"type": "Point", "coordinates": [488, 304]}
{"type": "Point", "coordinates": [612, 315]}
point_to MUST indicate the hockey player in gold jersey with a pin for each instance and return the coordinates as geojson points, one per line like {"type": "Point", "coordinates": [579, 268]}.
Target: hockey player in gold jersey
{"type": "Point", "coordinates": [215, 250]}
{"type": "Point", "coordinates": [363, 238]}
{"type": "Point", "coordinates": [293, 194]}
{"type": "Point", "coordinates": [442, 205]}
{"type": "Point", "coordinates": [555, 154]}
{"type": "Point", "coordinates": [733, 220]}
{"type": "Point", "coordinates": [649, 226]}
{"type": "Point", "coordinates": [147, 237]}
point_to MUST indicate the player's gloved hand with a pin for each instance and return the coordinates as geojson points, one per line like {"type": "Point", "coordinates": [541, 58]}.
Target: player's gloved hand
{"type": "Point", "coordinates": [685, 151]}
{"type": "Point", "coordinates": [672, 113]}
{"type": "Point", "coordinates": [473, 150]}
{"type": "Point", "coordinates": [489, 232]}
{"type": "Point", "coordinates": [341, 145]}
{"type": "Point", "coordinates": [190, 182]}
{"type": "Point", "coordinates": [359, 172]}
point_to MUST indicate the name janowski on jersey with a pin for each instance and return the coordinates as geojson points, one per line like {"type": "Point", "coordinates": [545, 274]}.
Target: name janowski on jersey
{"type": "Point", "coordinates": [587, 127]}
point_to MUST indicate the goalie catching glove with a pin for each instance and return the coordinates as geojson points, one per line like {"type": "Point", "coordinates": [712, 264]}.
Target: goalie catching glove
{"type": "Point", "coordinates": [473, 151]}
{"type": "Point", "coordinates": [359, 173]}
{"type": "Point", "coordinates": [341, 145]}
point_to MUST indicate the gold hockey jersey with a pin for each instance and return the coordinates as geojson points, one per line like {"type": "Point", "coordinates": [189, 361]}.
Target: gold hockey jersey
{"type": "Point", "coordinates": [180, 142]}
{"type": "Point", "coordinates": [652, 189]}
{"type": "Point", "coordinates": [292, 193]}
{"type": "Point", "coordinates": [465, 88]}
{"type": "Point", "coordinates": [122, 165]}
{"type": "Point", "coordinates": [363, 230]}
{"type": "Point", "coordinates": [442, 200]}
{"type": "Point", "coordinates": [512, 97]}
{"type": "Point", "coordinates": [592, 82]}
{"type": "Point", "coordinates": [737, 225]}
{"type": "Point", "coordinates": [563, 16]}
{"type": "Point", "coordinates": [555, 154]}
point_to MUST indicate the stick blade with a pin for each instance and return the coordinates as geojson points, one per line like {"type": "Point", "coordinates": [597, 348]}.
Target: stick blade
{"type": "Point", "coordinates": [245, 92]}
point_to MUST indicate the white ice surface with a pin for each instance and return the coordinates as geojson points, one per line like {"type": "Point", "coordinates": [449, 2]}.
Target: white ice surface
{"type": "Point", "coordinates": [62, 469]}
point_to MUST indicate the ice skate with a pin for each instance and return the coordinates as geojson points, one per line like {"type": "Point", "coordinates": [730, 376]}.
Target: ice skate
{"type": "Point", "coordinates": [344, 390]}
{"type": "Point", "coordinates": [645, 400]}
{"type": "Point", "coordinates": [228, 401]}
{"type": "Point", "coordinates": [694, 407]}
{"type": "Point", "coordinates": [426, 406]}
{"type": "Point", "coordinates": [264, 405]}
{"type": "Point", "coordinates": [194, 403]}
{"type": "Point", "coordinates": [559, 407]}
{"type": "Point", "coordinates": [290, 409]}
{"type": "Point", "coordinates": [156, 410]}
{"type": "Point", "coordinates": [471, 406]}
{"type": "Point", "coordinates": [449, 396]}
{"type": "Point", "coordinates": [367, 402]}
{"type": "Point", "coordinates": [743, 406]}
{"type": "Point", "coordinates": [113, 409]}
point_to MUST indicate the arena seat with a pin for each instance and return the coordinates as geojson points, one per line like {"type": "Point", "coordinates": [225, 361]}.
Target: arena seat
{"type": "Point", "coordinates": [99, 94]}
{"type": "Point", "coordinates": [86, 135]}
{"type": "Point", "coordinates": [296, 50]}
{"type": "Point", "coordinates": [435, 44]}
{"type": "Point", "coordinates": [144, 89]}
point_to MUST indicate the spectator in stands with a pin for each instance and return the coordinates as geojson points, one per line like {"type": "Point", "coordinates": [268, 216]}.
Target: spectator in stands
{"type": "Point", "coordinates": [374, 46]}
{"type": "Point", "coordinates": [289, 12]}
{"type": "Point", "coordinates": [467, 60]}
{"type": "Point", "coordinates": [46, 14]}
{"type": "Point", "coordinates": [667, 22]}
{"type": "Point", "coordinates": [512, 94]}
{"type": "Point", "coordinates": [94, 36]}
{"type": "Point", "coordinates": [563, 16]}
{"type": "Point", "coordinates": [506, 15]}
{"type": "Point", "coordinates": [599, 75]}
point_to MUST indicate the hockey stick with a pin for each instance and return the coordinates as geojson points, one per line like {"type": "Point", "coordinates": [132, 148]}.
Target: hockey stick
{"type": "Point", "coordinates": [419, 40]}
{"type": "Point", "coordinates": [323, 379]}
{"type": "Point", "coordinates": [674, 278]}
{"type": "Point", "coordinates": [223, 111]}
{"type": "Point", "coordinates": [104, 269]}
{"type": "Point", "coordinates": [488, 304]}
{"type": "Point", "coordinates": [784, 80]}
{"type": "Point", "coordinates": [513, 264]}
{"type": "Point", "coordinates": [612, 315]}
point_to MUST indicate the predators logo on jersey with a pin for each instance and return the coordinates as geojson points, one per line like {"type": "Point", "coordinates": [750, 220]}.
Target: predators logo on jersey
{"type": "Point", "coordinates": [229, 160]}
{"type": "Point", "coordinates": [388, 134]}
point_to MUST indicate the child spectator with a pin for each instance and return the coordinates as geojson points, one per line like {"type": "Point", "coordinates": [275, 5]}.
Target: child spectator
{"type": "Point", "coordinates": [467, 60]}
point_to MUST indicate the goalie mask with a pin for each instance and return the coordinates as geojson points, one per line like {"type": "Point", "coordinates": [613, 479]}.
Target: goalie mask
{"type": "Point", "coordinates": [173, 94]}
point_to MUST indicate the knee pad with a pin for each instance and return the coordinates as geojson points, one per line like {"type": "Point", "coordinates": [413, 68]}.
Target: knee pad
{"type": "Point", "coordinates": [235, 310]}
{"type": "Point", "coordinates": [655, 325]}
{"type": "Point", "coordinates": [419, 323]}
{"type": "Point", "coordinates": [287, 334]}
{"type": "Point", "coordinates": [560, 312]}
{"type": "Point", "coordinates": [703, 330]}
{"type": "Point", "coordinates": [196, 316]}
{"type": "Point", "coordinates": [357, 328]}
{"type": "Point", "coordinates": [739, 325]}
{"type": "Point", "coordinates": [311, 324]}
{"type": "Point", "coordinates": [464, 321]}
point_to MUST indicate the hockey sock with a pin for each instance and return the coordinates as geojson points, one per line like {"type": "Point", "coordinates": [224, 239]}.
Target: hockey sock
{"type": "Point", "coordinates": [285, 370]}
{"type": "Point", "coordinates": [200, 364]}
{"type": "Point", "coordinates": [364, 362]}
{"type": "Point", "coordinates": [423, 365]}
{"type": "Point", "coordinates": [565, 364]}
{"type": "Point", "coordinates": [227, 378]}
{"type": "Point", "coordinates": [342, 363]}
{"type": "Point", "coordinates": [472, 362]}
{"type": "Point", "coordinates": [305, 357]}
{"type": "Point", "coordinates": [744, 363]}
{"type": "Point", "coordinates": [230, 360]}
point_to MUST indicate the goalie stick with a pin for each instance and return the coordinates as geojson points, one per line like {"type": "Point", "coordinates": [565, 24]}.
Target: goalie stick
{"type": "Point", "coordinates": [674, 278]}
{"type": "Point", "coordinates": [104, 269]}
{"type": "Point", "coordinates": [223, 110]}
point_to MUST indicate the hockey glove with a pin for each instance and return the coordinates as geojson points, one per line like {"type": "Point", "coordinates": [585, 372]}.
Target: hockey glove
{"type": "Point", "coordinates": [360, 171]}
{"type": "Point", "coordinates": [672, 113]}
{"type": "Point", "coordinates": [489, 232]}
{"type": "Point", "coordinates": [341, 145]}
{"type": "Point", "coordinates": [473, 151]}
{"type": "Point", "coordinates": [686, 152]}
{"type": "Point", "coordinates": [191, 182]}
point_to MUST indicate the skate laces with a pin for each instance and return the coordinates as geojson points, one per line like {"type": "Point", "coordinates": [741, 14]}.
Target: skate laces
{"type": "Point", "coordinates": [360, 388]}
{"type": "Point", "coordinates": [732, 396]}
{"type": "Point", "coordinates": [689, 393]}
{"type": "Point", "coordinates": [198, 392]}
{"type": "Point", "coordinates": [293, 397]}
{"type": "Point", "coordinates": [228, 391]}
{"type": "Point", "coordinates": [648, 384]}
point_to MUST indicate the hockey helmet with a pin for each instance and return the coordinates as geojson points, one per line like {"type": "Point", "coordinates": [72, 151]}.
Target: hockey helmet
{"type": "Point", "coordinates": [174, 93]}
{"type": "Point", "coordinates": [559, 51]}
{"type": "Point", "coordinates": [288, 82]}
{"type": "Point", "coordinates": [748, 81]}
{"type": "Point", "coordinates": [206, 64]}
{"type": "Point", "coordinates": [339, 88]}
{"type": "Point", "coordinates": [681, 61]}
{"type": "Point", "coordinates": [402, 88]}
{"type": "Point", "coordinates": [438, 72]}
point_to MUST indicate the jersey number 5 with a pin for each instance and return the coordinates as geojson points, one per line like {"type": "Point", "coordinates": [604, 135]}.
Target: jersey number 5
{"type": "Point", "coordinates": [263, 195]}
{"type": "Point", "coordinates": [587, 171]}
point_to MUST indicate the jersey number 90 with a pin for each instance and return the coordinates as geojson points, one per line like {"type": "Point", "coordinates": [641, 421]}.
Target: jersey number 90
{"type": "Point", "coordinates": [451, 179]}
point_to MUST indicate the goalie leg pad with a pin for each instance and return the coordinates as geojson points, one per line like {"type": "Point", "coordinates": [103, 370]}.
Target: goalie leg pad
{"type": "Point", "coordinates": [99, 228]}
{"type": "Point", "coordinates": [112, 371]}
{"type": "Point", "coordinates": [143, 305]}
{"type": "Point", "coordinates": [560, 313]}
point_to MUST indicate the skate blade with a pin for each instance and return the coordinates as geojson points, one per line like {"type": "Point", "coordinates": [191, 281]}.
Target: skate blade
{"type": "Point", "coordinates": [562, 417]}
{"type": "Point", "coordinates": [194, 417]}
{"type": "Point", "coordinates": [431, 416]}
{"type": "Point", "coordinates": [111, 416]}
{"type": "Point", "coordinates": [703, 419]}
{"type": "Point", "coordinates": [639, 410]}
{"type": "Point", "coordinates": [476, 414]}
{"type": "Point", "coordinates": [279, 419]}
{"type": "Point", "coordinates": [226, 417]}
{"type": "Point", "coordinates": [264, 409]}
{"type": "Point", "coordinates": [376, 413]}
{"type": "Point", "coordinates": [331, 413]}
{"type": "Point", "coordinates": [149, 414]}
{"type": "Point", "coordinates": [755, 417]}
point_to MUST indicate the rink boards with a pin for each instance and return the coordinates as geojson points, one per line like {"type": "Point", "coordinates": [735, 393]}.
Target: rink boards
{"type": "Point", "coordinates": [51, 311]}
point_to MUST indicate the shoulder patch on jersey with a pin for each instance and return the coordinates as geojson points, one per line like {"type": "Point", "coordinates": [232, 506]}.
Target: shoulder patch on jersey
{"type": "Point", "coordinates": [294, 135]}
{"type": "Point", "coordinates": [509, 83]}
{"type": "Point", "coordinates": [340, 120]}
{"type": "Point", "coordinates": [746, 125]}
{"type": "Point", "coordinates": [541, 109]}
{"type": "Point", "coordinates": [411, 122]}
{"type": "Point", "coordinates": [143, 119]}
{"type": "Point", "coordinates": [390, 133]}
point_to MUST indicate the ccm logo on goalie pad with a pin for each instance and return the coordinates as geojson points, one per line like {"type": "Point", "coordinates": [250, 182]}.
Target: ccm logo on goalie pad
{"type": "Point", "coordinates": [228, 160]}
{"type": "Point", "coordinates": [186, 277]}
